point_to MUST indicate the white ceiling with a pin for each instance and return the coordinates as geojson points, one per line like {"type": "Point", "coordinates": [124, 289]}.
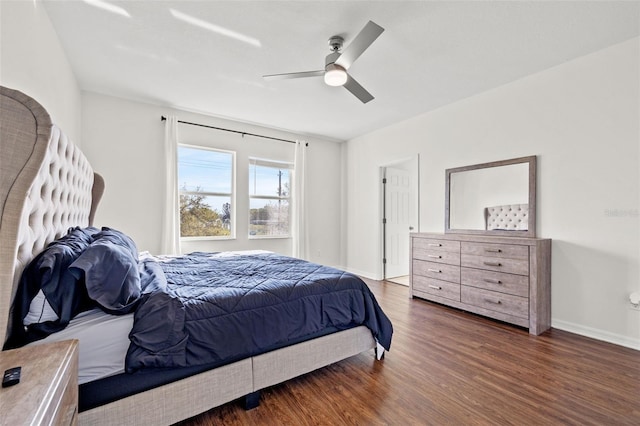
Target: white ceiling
{"type": "Point", "coordinates": [432, 53]}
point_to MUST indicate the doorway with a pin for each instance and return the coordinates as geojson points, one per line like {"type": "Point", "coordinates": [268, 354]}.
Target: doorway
{"type": "Point", "coordinates": [400, 216]}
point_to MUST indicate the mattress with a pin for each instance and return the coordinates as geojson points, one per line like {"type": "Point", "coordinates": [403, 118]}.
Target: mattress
{"type": "Point", "coordinates": [104, 340]}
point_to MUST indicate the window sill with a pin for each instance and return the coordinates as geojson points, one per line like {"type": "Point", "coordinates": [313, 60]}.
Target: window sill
{"type": "Point", "coordinates": [269, 237]}
{"type": "Point", "coordinates": [189, 239]}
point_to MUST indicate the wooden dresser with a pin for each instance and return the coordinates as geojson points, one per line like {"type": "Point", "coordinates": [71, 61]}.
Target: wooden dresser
{"type": "Point", "coordinates": [506, 278]}
{"type": "Point", "coordinates": [48, 390]}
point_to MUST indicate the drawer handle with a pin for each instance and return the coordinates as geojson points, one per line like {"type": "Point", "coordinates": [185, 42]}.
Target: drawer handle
{"type": "Point", "coordinates": [435, 256]}
{"type": "Point", "coordinates": [434, 270]}
{"type": "Point", "coordinates": [435, 287]}
{"type": "Point", "coordinates": [493, 263]}
{"type": "Point", "coordinates": [492, 281]}
{"type": "Point", "coordinates": [493, 250]}
{"type": "Point", "coordinates": [495, 302]}
{"type": "Point", "coordinates": [435, 245]}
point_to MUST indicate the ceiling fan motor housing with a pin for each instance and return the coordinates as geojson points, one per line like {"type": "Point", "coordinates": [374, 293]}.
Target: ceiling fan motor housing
{"type": "Point", "coordinates": [331, 58]}
{"type": "Point", "coordinates": [336, 43]}
{"type": "Point", "coordinates": [335, 75]}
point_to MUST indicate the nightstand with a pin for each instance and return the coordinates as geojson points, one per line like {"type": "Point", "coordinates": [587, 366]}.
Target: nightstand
{"type": "Point", "coordinates": [48, 389]}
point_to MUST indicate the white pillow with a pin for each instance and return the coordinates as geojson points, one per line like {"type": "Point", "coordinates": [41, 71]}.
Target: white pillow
{"type": "Point", "coordinates": [40, 310]}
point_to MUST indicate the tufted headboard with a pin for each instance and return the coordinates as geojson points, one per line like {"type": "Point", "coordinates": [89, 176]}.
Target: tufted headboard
{"type": "Point", "coordinates": [46, 186]}
{"type": "Point", "coordinates": [509, 217]}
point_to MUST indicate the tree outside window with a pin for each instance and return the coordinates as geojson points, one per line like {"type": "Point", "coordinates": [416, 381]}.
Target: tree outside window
{"type": "Point", "coordinates": [206, 182]}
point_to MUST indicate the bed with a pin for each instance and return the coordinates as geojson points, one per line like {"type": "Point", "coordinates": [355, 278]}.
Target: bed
{"type": "Point", "coordinates": [507, 217]}
{"type": "Point", "coordinates": [47, 190]}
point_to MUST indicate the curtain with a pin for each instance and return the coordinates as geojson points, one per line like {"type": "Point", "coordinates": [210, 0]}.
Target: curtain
{"type": "Point", "coordinates": [171, 221]}
{"type": "Point", "coordinates": [298, 217]}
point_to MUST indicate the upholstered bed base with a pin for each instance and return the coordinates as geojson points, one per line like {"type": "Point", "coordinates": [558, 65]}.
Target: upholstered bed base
{"type": "Point", "coordinates": [186, 398]}
{"type": "Point", "coordinates": [46, 186]}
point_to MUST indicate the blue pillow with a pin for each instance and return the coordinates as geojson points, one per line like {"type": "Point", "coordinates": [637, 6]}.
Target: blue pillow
{"type": "Point", "coordinates": [60, 289]}
{"type": "Point", "coordinates": [64, 297]}
{"type": "Point", "coordinates": [118, 238]}
{"type": "Point", "coordinates": [109, 267]}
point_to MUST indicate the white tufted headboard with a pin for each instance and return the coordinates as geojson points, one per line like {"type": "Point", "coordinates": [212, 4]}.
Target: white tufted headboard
{"type": "Point", "coordinates": [46, 186]}
{"type": "Point", "coordinates": [510, 217]}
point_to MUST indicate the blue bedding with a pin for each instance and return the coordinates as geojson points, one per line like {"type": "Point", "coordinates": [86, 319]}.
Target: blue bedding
{"type": "Point", "coordinates": [213, 308]}
{"type": "Point", "coordinates": [84, 269]}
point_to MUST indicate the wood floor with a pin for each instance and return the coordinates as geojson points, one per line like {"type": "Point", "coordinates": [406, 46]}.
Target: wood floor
{"type": "Point", "coordinates": [450, 367]}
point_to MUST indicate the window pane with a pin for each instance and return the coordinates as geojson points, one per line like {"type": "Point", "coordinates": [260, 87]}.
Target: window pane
{"type": "Point", "coordinates": [204, 170]}
{"type": "Point", "coordinates": [269, 218]}
{"type": "Point", "coordinates": [268, 181]}
{"type": "Point", "coordinates": [205, 216]}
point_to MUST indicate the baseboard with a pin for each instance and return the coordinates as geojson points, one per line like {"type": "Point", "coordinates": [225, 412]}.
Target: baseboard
{"type": "Point", "coordinates": [595, 333]}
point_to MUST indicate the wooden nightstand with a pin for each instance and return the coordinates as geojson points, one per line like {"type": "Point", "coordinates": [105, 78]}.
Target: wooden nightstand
{"type": "Point", "coordinates": [48, 388]}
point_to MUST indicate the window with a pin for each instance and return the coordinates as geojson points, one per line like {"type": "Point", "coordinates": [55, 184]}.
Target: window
{"type": "Point", "coordinates": [269, 192]}
{"type": "Point", "coordinates": [205, 179]}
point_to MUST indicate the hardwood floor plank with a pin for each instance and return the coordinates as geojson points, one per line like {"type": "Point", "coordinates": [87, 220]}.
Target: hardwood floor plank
{"type": "Point", "coordinates": [452, 367]}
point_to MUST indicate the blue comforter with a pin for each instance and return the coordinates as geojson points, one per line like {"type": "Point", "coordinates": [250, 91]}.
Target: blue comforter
{"type": "Point", "coordinates": [214, 308]}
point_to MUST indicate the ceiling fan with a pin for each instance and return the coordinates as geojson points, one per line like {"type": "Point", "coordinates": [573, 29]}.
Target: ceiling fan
{"type": "Point", "coordinates": [337, 63]}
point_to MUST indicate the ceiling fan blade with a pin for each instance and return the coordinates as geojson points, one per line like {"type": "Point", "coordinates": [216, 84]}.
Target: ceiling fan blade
{"type": "Point", "coordinates": [358, 91]}
{"type": "Point", "coordinates": [363, 40]}
{"type": "Point", "coordinates": [290, 75]}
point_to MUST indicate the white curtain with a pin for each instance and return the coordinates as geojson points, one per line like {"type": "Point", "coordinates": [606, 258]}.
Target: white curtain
{"type": "Point", "coordinates": [298, 218]}
{"type": "Point", "coordinates": [171, 220]}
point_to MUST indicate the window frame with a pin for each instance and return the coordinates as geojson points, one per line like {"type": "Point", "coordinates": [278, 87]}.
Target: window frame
{"type": "Point", "coordinates": [257, 161]}
{"type": "Point", "coordinates": [232, 195]}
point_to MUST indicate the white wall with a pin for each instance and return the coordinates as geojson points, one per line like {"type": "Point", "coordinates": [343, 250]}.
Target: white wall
{"type": "Point", "coordinates": [124, 142]}
{"type": "Point", "coordinates": [582, 120]}
{"type": "Point", "coordinates": [32, 61]}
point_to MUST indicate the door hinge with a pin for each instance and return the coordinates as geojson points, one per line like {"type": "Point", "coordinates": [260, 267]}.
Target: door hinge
{"type": "Point", "coordinates": [384, 261]}
{"type": "Point", "coordinates": [384, 220]}
{"type": "Point", "coordinates": [384, 180]}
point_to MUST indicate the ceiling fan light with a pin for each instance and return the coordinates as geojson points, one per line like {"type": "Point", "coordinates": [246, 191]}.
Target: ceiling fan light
{"type": "Point", "coordinates": [335, 75]}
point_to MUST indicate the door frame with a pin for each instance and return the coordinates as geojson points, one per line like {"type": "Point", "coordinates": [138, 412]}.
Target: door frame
{"type": "Point", "coordinates": [413, 163]}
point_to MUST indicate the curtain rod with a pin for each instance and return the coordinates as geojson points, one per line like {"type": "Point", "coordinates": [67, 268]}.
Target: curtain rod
{"type": "Point", "coordinates": [163, 118]}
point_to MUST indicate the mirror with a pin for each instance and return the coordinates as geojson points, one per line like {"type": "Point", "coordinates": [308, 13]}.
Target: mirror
{"type": "Point", "coordinates": [497, 198]}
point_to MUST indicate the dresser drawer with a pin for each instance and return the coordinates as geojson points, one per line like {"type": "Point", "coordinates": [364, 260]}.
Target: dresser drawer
{"type": "Point", "coordinates": [509, 251]}
{"type": "Point", "coordinates": [498, 264]}
{"type": "Point", "coordinates": [494, 301]}
{"type": "Point", "coordinates": [439, 271]}
{"type": "Point", "coordinates": [438, 256]}
{"type": "Point", "coordinates": [518, 285]}
{"type": "Point", "coordinates": [436, 287]}
{"type": "Point", "coordinates": [432, 244]}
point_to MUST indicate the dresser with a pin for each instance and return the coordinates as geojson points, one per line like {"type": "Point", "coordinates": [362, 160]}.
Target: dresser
{"type": "Point", "coordinates": [48, 390]}
{"type": "Point", "coordinates": [505, 278]}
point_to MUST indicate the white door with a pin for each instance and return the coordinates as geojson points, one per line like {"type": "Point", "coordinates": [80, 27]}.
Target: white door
{"type": "Point", "coordinates": [397, 214]}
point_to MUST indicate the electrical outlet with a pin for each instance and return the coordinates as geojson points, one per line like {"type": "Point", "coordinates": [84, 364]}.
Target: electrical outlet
{"type": "Point", "coordinates": [634, 301]}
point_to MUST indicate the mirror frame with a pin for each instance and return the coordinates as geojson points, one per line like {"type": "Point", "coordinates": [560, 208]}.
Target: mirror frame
{"type": "Point", "coordinates": [531, 228]}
